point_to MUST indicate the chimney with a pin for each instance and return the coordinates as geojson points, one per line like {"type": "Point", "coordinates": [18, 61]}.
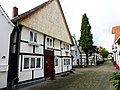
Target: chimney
{"type": "Point", "coordinates": [15, 12]}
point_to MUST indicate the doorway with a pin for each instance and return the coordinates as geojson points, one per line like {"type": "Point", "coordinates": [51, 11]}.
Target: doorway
{"type": "Point", "coordinates": [49, 64]}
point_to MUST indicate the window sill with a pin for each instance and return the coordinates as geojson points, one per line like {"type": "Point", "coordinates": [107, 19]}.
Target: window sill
{"type": "Point", "coordinates": [66, 51]}
{"type": "Point", "coordinates": [25, 70]}
{"type": "Point", "coordinates": [33, 43]}
{"type": "Point", "coordinates": [50, 47]}
{"type": "Point", "coordinates": [67, 65]}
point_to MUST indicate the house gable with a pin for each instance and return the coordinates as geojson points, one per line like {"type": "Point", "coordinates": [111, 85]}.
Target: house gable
{"type": "Point", "coordinates": [116, 31]}
{"type": "Point", "coordinates": [50, 21]}
{"type": "Point", "coordinates": [5, 16]}
{"type": "Point", "coordinates": [6, 28]}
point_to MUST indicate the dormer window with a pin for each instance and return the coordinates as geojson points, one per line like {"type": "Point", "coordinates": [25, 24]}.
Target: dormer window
{"type": "Point", "coordinates": [33, 36]}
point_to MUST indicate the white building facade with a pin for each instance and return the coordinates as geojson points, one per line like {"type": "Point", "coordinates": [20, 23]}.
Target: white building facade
{"type": "Point", "coordinates": [6, 28]}
{"type": "Point", "coordinates": [75, 53]}
{"type": "Point", "coordinates": [116, 45]}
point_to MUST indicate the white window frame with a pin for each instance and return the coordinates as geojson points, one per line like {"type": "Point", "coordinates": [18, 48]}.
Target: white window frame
{"type": "Point", "coordinates": [30, 68]}
{"type": "Point", "coordinates": [32, 40]}
{"type": "Point", "coordinates": [32, 58]}
{"type": "Point", "coordinates": [66, 46]}
{"type": "Point", "coordinates": [49, 42]}
{"type": "Point", "coordinates": [39, 62]}
{"type": "Point", "coordinates": [56, 62]}
{"type": "Point", "coordinates": [28, 63]}
{"type": "Point", "coordinates": [66, 61]}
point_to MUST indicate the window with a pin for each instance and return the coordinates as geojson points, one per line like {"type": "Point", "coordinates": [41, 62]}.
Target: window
{"type": "Point", "coordinates": [32, 62]}
{"type": "Point", "coordinates": [76, 53]}
{"type": "Point", "coordinates": [67, 53]}
{"type": "Point", "coordinates": [26, 63]}
{"type": "Point", "coordinates": [72, 52]}
{"type": "Point", "coordinates": [66, 61]}
{"type": "Point", "coordinates": [38, 63]}
{"type": "Point", "coordinates": [65, 46]}
{"type": "Point", "coordinates": [56, 62]}
{"type": "Point", "coordinates": [33, 36]}
{"type": "Point", "coordinates": [49, 42]}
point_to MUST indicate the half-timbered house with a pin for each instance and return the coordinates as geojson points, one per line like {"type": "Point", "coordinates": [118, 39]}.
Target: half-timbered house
{"type": "Point", "coordinates": [44, 43]}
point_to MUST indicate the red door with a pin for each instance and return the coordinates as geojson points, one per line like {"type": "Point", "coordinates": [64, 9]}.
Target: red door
{"type": "Point", "coordinates": [49, 64]}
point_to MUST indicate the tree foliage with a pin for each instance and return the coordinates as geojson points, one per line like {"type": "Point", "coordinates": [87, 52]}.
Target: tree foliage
{"type": "Point", "coordinates": [86, 41]}
{"type": "Point", "coordinates": [104, 52]}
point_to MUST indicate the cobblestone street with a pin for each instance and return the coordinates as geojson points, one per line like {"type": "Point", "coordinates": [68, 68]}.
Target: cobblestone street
{"type": "Point", "coordinates": [88, 78]}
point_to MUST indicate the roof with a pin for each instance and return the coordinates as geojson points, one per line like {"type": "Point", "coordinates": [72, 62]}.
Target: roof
{"type": "Point", "coordinates": [75, 43]}
{"type": "Point", "coordinates": [40, 7]}
{"type": "Point", "coordinates": [22, 16]}
{"type": "Point", "coordinates": [5, 15]}
{"type": "Point", "coordinates": [116, 31]}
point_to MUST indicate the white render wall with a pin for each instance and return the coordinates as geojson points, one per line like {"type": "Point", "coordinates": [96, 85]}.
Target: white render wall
{"type": "Point", "coordinates": [27, 48]}
{"type": "Point", "coordinates": [5, 30]}
{"type": "Point", "coordinates": [58, 69]}
{"type": "Point", "coordinates": [116, 53]}
{"type": "Point", "coordinates": [3, 79]}
{"type": "Point", "coordinates": [61, 67]}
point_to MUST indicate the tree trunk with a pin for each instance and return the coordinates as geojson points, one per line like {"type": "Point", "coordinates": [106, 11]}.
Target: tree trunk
{"type": "Point", "coordinates": [87, 58]}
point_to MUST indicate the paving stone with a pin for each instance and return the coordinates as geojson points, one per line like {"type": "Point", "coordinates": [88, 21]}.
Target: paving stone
{"type": "Point", "coordinates": [88, 78]}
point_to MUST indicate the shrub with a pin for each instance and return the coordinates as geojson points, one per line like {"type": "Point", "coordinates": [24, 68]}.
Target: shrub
{"type": "Point", "coordinates": [116, 80]}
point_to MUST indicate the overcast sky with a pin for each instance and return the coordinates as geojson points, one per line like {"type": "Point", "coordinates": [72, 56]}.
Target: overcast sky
{"type": "Point", "coordinates": [102, 14]}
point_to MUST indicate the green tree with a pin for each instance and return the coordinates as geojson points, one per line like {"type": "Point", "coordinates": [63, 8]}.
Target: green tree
{"type": "Point", "coordinates": [104, 52]}
{"type": "Point", "coordinates": [86, 41]}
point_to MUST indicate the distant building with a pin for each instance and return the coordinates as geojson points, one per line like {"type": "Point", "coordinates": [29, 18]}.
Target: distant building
{"type": "Point", "coordinates": [94, 59]}
{"type": "Point", "coordinates": [116, 45]}
{"type": "Point", "coordinates": [75, 52]}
